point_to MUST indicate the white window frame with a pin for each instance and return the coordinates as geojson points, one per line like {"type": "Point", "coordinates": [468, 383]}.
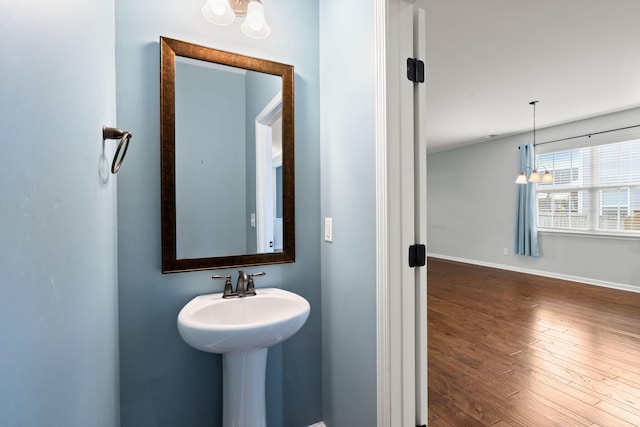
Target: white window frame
{"type": "Point", "coordinates": [591, 189]}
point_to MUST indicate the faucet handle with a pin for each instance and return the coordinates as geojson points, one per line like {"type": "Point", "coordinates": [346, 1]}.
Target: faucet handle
{"type": "Point", "coordinates": [228, 286]}
{"type": "Point", "coordinates": [251, 287]}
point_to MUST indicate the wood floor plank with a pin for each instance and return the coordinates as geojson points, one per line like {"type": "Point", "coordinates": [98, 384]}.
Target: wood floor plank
{"type": "Point", "coordinates": [518, 407]}
{"type": "Point", "coordinates": [452, 405]}
{"type": "Point", "coordinates": [619, 412]}
{"type": "Point", "coordinates": [510, 349]}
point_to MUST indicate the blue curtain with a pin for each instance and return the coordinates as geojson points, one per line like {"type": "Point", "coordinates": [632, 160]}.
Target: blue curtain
{"type": "Point", "coordinates": [526, 240]}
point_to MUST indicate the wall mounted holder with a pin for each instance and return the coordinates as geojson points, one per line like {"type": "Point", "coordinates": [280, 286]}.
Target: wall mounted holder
{"type": "Point", "coordinates": [124, 137]}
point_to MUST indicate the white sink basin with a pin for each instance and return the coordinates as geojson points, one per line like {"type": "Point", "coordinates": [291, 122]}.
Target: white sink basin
{"type": "Point", "coordinates": [242, 329]}
{"type": "Point", "coordinates": [216, 325]}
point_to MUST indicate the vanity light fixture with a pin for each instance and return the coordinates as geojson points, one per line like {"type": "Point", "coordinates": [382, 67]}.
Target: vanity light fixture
{"type": "Point", "coordinates": [224, 12]}
{"type": "Point", "coordinates": [535, 176]}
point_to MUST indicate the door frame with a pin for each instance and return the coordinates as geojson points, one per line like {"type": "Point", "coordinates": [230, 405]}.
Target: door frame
{"type": "Point", "coordinates": [420, 149]}
{"type": "Point", "coordinates": [264, 174]}
{"type": "Point", "coordinates": [401, 315]}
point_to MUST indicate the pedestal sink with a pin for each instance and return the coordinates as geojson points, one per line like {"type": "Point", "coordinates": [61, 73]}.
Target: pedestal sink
{"type": "Point", "coordinates": [242, 329]}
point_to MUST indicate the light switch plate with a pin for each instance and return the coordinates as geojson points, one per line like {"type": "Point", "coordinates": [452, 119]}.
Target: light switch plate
{"type": "Point", "coordinates": [328, 229]}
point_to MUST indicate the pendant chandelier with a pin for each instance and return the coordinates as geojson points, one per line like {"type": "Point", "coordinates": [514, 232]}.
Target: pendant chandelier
{"type": "Point", "coordinates": [535, 175]}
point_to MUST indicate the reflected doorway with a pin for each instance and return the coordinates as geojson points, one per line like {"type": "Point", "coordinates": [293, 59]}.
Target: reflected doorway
{"type": "Point", "coordinates": [268, 216]}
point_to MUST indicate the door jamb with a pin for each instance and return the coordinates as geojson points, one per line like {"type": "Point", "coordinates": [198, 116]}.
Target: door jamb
{"type": "Point", "coordinates": [396, 339]}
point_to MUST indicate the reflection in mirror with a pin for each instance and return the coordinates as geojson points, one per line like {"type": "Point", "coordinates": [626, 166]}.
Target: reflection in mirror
{"type": "Point", "coordinates": [219, 115]}
{"type": "Point", "coordinates": [227, 159]}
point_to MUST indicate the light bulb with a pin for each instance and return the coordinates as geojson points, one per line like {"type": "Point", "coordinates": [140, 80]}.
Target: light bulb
{"type": "Point", "coordinates": [255, 24]}
{"type": "Point", "coordinates": [218, 12]}
{"type": "Point", "coordinates": [217, 8]}
{"type": "Point", "coordinates": [522, 179]}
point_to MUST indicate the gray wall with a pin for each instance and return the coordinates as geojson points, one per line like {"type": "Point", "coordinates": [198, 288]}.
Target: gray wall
{"type": "Point", "coordinates": [163, 381]}
{"type": "Point", "coordinates": [348, 196]}
{"type": "Point", "coordinates": [58, 282]}
{"type": "Point", "coordinates": [471, 212]}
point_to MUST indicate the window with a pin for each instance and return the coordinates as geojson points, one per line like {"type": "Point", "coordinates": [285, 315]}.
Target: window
{"type": "Point", "coordinates": [595, 189]}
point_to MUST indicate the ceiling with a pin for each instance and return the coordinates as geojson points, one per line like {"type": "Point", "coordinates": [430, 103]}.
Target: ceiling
{"type": "Point", "coordinates": [487, 59]}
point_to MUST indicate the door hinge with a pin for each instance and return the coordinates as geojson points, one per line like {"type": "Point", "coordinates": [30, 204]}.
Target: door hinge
{"type": "Point", "coordinates": [417, 255]}
{"type": "Point", "coordinates": [415, 70]}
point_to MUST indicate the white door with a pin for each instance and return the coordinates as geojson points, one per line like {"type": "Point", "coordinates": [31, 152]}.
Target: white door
{"type": "Point", "coordinates": [402, 346]}
{"type": "Point", "coordinates": [420, 192]}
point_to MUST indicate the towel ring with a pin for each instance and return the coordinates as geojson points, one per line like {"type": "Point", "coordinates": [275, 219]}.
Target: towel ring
{"type": "Point", "coordinates": [125, 137]}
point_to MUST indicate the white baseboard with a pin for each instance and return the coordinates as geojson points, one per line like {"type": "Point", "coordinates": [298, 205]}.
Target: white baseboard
{"type": "Point", "coordinates": [320, 424]}
{"type": "Point", "coordinates": [584, 280]}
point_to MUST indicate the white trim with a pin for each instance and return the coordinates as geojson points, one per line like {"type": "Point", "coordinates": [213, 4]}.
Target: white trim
{"type": "Point", "coordinates": [320, 424]}
{"type": "Point", "coordinates": [264, 188]}
{"type": "Point", "coordinates": [394, 209]}
{"type": "Point", "coordinates": [597, 235]}
{"type": "Point", "coordinates": [403, 152]}
{"type": "Point", "coordinates": [383, 348]}
{"type": "Point", "coordinates": [272, 111]}
{"type": "Point", "coordinates": [570, 278]}
{"type": "Point", "coordinates": [420, 176]}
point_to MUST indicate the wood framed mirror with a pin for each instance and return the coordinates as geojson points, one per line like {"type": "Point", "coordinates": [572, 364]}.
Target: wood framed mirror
{"type": "Point", "coordinates": [227, 159]}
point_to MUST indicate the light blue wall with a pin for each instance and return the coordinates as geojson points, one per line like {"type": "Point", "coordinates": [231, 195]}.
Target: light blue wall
{"type": "Point", "coordinates": [471, 211]}
{"type": "Point", "coordinates": [58, 283]}
{"type": "Point", "coordinates": [163, 381]}
{"type": "Point", "coordinates": [348, 196]}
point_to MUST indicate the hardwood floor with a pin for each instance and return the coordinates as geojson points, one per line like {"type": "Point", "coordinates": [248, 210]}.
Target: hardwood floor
{"type": "Point", "coordinates": [510, 349]}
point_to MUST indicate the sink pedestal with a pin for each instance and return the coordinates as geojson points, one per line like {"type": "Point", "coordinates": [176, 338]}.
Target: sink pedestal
{"type": "Point", "coordinates": [243, 393]}
{"type": "Point", "coordinates": [242, 329]}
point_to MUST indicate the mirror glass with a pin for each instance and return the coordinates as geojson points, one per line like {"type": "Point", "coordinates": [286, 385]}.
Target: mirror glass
{"type": "Point", "coordinates": [227, 159]}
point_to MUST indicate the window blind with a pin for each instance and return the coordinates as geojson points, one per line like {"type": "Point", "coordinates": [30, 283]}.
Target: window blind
{"type": "Point", "coordinates": [596, 188]}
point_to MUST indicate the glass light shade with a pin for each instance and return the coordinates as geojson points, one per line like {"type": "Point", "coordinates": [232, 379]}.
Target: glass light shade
{"type": "Point", "coordinates": [534, 177]}
{"type": "Point", "coordinates": [522, 179]}
{"type": "Point", "coordinates": [218, 12]}
{"type": "Point", "coordinates": [547, 177]}
{"type": "Point", "coordinates": [255, 25]}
